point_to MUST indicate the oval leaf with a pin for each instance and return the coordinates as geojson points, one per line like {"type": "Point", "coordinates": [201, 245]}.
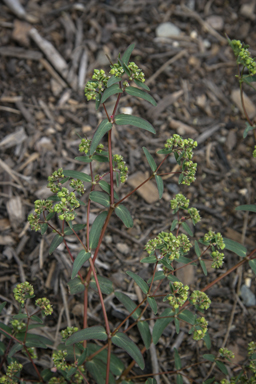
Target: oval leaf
{"type": "Point", "coordinates": [252, 264]}
{"type": "Point", "coordinates": [122, 212]}
{"type": "Point", "coordinates": [127, 54]}
{"type": "Point", "coordinates": [103, 128]}
{"type": "Point", "coordinates": [207, 340]}
{"type": "Point", "coordinates": [128, 304]}
{"type": "Point", "coordinates": [121, 340]}
{"type": "Point", "coordinates": [84, 159]}
{"type": "Point", "coordinates": [150, 159]}
{"type": "Point", "coordinates": [76, 286]}
{"type": "Point", "coordinates": [106, 285]}
{"type": "Point", "coordinates": [96, 333]}
{"type": "Point", "coordinates": [177, 359]}
{"type": "Point", "coordinates": [153, 304]}
{"type": "Point", "coordinates": [56, 241]}
{"type": "Point", "coordinates": [112, 90]}
{"type": "Point", "coordinates": [197, 249]}
{"type": "Point", "coordinates": [113, 80]}
{"type": "Point", "coordinates": [81, 258]}
{"type": "Point", "coordinates": [140, 84]}
{"type": "Point", "coordinates": [145, 333]}
{"type": "Point", "coordinates": [187, 228]}
{"type": "Point", "coordinates": [160, 185]}
{"type": "Point", "coordinates": [149, 260]}
{"type": "Point", "coordinates": [247, 207]}
{"type": "Point", "coordinates": [161, 324]}
{"type": "Point", "coordinates": [76, 227]}
{"type": "Point", "coordinates": [202, 263]}
{"type": "Point", "coordinates": [222, 367]}
{"type": "Point", "coordinates": [96, 229]}
{"type": "Point", "coordinates": [139, 281]}
{"type": "Point", "coordinates": [78, 175]}
{"type": "Point", "coordinates": [187, 316]}
{"type": "Point", "coordinates": [100, 197]}
{"type": "Point", "coordinates": [116, 365]}
{"type": "Point", "coordinates": [139, 93]}
{"type": "Point", "coordinates": [123, 119]}
{"type": "Point", "coordinates": [235, 247]}
{"type": "Point", "coordinates": [106, 187]}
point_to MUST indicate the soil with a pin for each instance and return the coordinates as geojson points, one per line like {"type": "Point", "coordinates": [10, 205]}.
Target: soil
{"type": "Point", "coordinates": [43, 112]}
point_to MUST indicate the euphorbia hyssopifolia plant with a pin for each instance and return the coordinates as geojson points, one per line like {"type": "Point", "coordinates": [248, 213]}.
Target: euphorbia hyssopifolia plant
{"type": "Point", "coordinates": [90, 352]}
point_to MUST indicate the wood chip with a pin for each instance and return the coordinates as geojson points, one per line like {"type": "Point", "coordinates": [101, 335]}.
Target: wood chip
{"type": "Point", "coordinates": [164, 103]}
{"type": "Point", "coordinates": [14, 138]}
{"type": "Point", "coordinates": [249, 105]}
{"type": "Point", "coordinates": [148, 191]}
{"type": "Point", "coordinates": [15, 211]}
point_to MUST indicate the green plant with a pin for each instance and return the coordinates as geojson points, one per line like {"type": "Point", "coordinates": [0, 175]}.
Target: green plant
{"type": "Point", "coordinates": [76, 360]}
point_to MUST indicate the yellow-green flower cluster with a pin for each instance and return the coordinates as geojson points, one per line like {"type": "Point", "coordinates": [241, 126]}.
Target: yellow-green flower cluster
{"type": "Point", "coordinates": [254, 152]}
{"type": "Point", "coordinates": [214, 239]}
{"type": "Point", "coordinates": [121, 167]}
{"type": "Point", "coordinates": [179, 295]}
{"type": "Point", "coordinates": [78, 186]}
{"type": "Point", "coordinates": [55, 178]}
{"type": "Point", "coordinates": [45, 306]}
{"type": "Point", "coordinates": [189, 172]}
{"type": "Point", "coordinates": [67, 205]}
{"type": "Point", "coordinates": [96, 85]}
{"type": "Point", "coordinates": [57, 380]}
{"type": "Point", "coordinates": [31, 351]}
{"type": "Point", "coordinates": [243, 56]}
{"type": "Point", "coordinates": [176, 142]}
{"type": "Point", "coordinates": [226, 353]}
{"type": "Point", "coordinates": [136, 72]}
{"type": "Point", "coordinates": [169, 245]}
{"type": "Point", "coordinates": [251, 348]}
{"type": "Point", "coordinates": [66, 333]}
{"type": "Point", "coordinates": [84, 146]}
{"type": "Point", "coordinates": [40, 206]}
{"type": "Point", "coordinates": [23, 291]}
{"type": "Point", "coordinates": [59, 360]}
{"type": "Point", "coordinates": [200, 300]}
{"type": "Point", "coordinates": [179, 201]}
{"type": "Point", "coordinates": [218, 258]}
{"type": "Point", "coordinates": [194, 215]}
{"type": "Point", "coordinates": [116, 70]}
{"type": "Point", "coordinates": [11, 374]}
{"type": "Point", "coordinates": [200, 328]}
{"type": "Point", "coordinates": [18, 325]}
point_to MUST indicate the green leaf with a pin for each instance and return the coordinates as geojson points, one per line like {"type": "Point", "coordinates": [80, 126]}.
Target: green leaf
{"type": "Point", "coordinates": [100, 158]}
{"type": "Point", "coordinates": [164, 151]}
{"type": "Point", "coordinates": [100, 197]}
{"type": "Point", "coordinates": [207, 340]}
{"type": "Point", "coordinates": [222, 367]}
{"type": "Point", "coordinates": [202, 263]}
{"type": "Point", "coordinates": [4, 328]}
{"type": "Point", "coordinates": [81, 258]}
{"type": "Point", "coordinates": [121, 340]}
{"type": "Point", "coordinates": [106, 187]}
{"type": "Point", "coordinates": [197, 249]}
{"type": "Point", "coordinates": [153, 304]}
{"type": "Point", "coordinates": [122, 212]}
{"type": "Point", "coordinates": [127, 53]}
{"type": "Point", "coordinates": [149, 260]}
{"type": "Point", "coordinates": [93, 366]}
{"type": "Point", "coordinates": [16, 347]}
{"type": "Point", "coordinates": [185, 260]}
{"type": "Point", "coordinates": [96, 229]}
{"type": "Point", "coordinates": [160, 185]}
{"type": "Point", "coordinates": [247, 129]}
{"type": "Point", "coordinates": [2, 348]}
{"type": "Point", "coordinates": [181, 177]}
{"type": "Point", "coordinates": [78, 175]}
{"type": "Point", "coordinates": [56, 241]}
{"type": "Point", "coordinates": [128, 304]}
{"type": "Point", "coordinates": [44, 227]}
{"type": "Point", "coordinates": [2, 305]}
{"type": "Point", "coordinates": [106, 285]}
{"type": "Point", "coordinates": [139, 281]}
{"type": "Point", "coordinates": [36, 318]}
{"type": "Point", "coordinates": [159, 275]}
{"type": "Point", "coordinates": [235, 247]}
{"type": "Point", "coordinates": [33, 340]}
{"type": "Point", "coordinates": [173, 278]}
{"type": "Point", "coordinates": [50, 216]}
{"type": "Point", "coordinates": [179, 379]}
{"type": "Point", "coordinates": [140, 84]}
{"type": "Point", "coordinates": [252, 264]}
{"type": "Point", "coordinates": [96, 333]}
{"type": "Point", "coordinates": [187, 316]}
{"type": "Point", "coordinates": [76, 286]}
{"type": "Point", "coordinates": [123, 119]}
{"type": "Point", "coordinates": [209, 381]}
{"type": "Point", "coordinates": [20, 316]}
{"type": "Point", "coordinates": [76, 227]}
{"type": "Point", "coordinates": [177, 359]}
{"type": "Point", "coordinates": [187, 228]}
{"type": "Point", "coordinates": [103, 128]}
{"type": "Point", "coordinates": [161, 324]}
{"type": "Point", "coordinates": [113, 80]}
{"type": "Point", "coordinates": [98, 100]}
{"type": "Point", "coordinates": [82, 358]}
{"type": "Point", "coordinates": [150, 159]}
{"type": "Point", "coordinates": [84, 159]}
{"type": "Point", "coordinates": [139, 93]}
{"type": "Point", "coordinates": [209, 357]}
{"type": "Point", "coordinates": [145, 333]}
{"type": "Point", "coordinates": [71, 372]}
{"type": "Point", "coordinates": [47, 375]}
{"type": "Point", "coordinates": [116, 365]}
{"type": "Point", "coordinates": [151, 380]}
{"type": "Point", "coordinates": [174, 224]}
{"type": "Point", "coordinates": [112, 90]}
{"type": "Point", "coordinates": [53, 198]}
{"type": "Point", "coordinates": [177, 325]}
{"type": "Point", "coordinates": [247, 207]}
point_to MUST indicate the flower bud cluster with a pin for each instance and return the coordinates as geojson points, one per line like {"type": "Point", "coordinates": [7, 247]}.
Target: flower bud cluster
{"type": "Point", "coordinates": [214, 239]}
{"type": "Point", "coordinates": [31, 351]}
{"type": "Point", "coordinates": [18, 325]}
{"type": "Point", "coordinates": [243, 56]}
{"type": "Point", "coordinates": [189, 173]}
{"type": "Point", "coordinates": [136, 72]}
{"type": "Point", "coordinates": [179, 295]}
{"type": "Point", "coordinates": [169, 245]}
{"type": "Point", "coordinates": [40, 206]}
{"type": "Point", "coordinates": [11, 373]}
{"type": "Point", "coordinates": [200, 300]}
{"type": "Point", "coordinates": [23, 291]}
{"type": "Point", "coordinates": [226, 353]}
{"type": "Point", "coordinates": [254, 152]}
{"type": "Point", "coordinates": [57, 380]}
{"type": "Point", "coordinates": [218, 258]}
{"type": "Point", "coordinates": [121, 167]}
{"type": "Point", "coordinates": [78, 186]}
{"type": "Point", "coordinates": [194, 215]}
{"type": "Point", "coordinates": [200, 328]}
{"type": "Point", "coordinates": [66, 333]}
{"type": "Point", "coordinates": [55, 178]}
{"type": "Point", "coordinates": [59, 360]}
{"type": "Point", "coordinates": [179, 201]}
{"type": "Point", "coordinates": [96, 85]}
{"type": "Point", "coordinates": [116, 70]}
{"type": "Point", "coordinates": [45, 306]}
{"type": "Point", "coordinates": [67, 205]}
{"type": "Point", "coordinates": [251, 348]}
